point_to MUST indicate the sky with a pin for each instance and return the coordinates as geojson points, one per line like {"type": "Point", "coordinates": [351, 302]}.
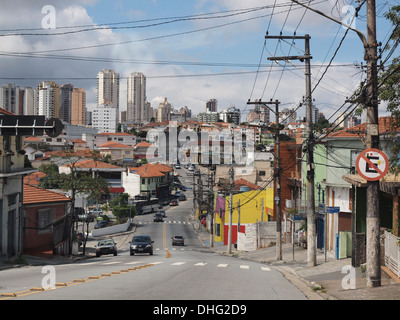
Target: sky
{"type": "Point", "coordinates": [190, 50]}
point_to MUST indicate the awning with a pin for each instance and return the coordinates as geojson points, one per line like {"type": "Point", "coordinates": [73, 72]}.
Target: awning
{"type": "Point", "coordinates": [389, 184]}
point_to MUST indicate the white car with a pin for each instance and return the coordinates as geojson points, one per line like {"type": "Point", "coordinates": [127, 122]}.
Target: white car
{"type": "Point", "coordinates": [96, 212]}
{"type": "Point", "coordinates": [191, 168]}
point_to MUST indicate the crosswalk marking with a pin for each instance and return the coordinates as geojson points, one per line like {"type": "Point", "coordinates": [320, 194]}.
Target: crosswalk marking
{"type": "Point", "coordinates": [244, 267]}
{"type": "Point", "coordinates": [113, 262]}
{"type": "Point", "coordinates": [178, 263]}
{"type": "Point", "coordinates": [222, 265]}
{"type": "Point", "coordinates": [134, 262]}
{"type": "Point", "coordinates": [201, 264]}
{"type": "Point", "coordinates": [265, 269]}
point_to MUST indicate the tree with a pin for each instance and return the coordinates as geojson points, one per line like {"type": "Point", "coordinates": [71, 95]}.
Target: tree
{"type": "Point", "coordinates": [121, 208]}
{"type": "Point", "coordinates": [389, 83]}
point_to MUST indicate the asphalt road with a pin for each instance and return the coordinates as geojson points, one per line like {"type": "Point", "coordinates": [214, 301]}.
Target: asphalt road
{"type": "Point", "coordinates": [190, 272]}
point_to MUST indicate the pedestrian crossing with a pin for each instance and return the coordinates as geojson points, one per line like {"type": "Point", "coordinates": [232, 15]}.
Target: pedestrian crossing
{"type": "Point", "coordinates": [181, 263]}
{"type": "Point", "coordinates": [166, 222]}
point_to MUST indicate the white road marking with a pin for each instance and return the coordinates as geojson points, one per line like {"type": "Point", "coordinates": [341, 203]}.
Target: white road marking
{"type": "Point", "coordinates": [265, 269]}
{"type": "Point", "coordinates": [178, 263]}
{"type": "Point", "coordinates": [134, 262]}
{"type": "Point", "coordinates": [113, 262]}
{"type": "Point", "coordinates": [222, 265]}
{"type": "Point", "coordinates": [201, 264]}
{"type": "Point", "coordinates": [244, 267]}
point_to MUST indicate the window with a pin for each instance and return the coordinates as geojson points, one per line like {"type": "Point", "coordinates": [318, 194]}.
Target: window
{"type": "Point", "coordinates": [143, 181]}
{"type": "Point", "coordinates": [262, 173]}
{"type": "Point", "coordinates": [45, 217]}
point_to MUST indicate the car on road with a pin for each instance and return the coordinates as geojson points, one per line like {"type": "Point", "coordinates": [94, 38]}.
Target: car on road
{"type": "Point", "coordinates": [141, 244]}
{"type": "Point", "coordinates": [162, 212]}
{"type": "Point", "coordinates": [177, 166]}
{"type": "Point", "coordinates": [107, 246]}
{"type": "Point", "coordinates": [178, 240]}
{"type": "Point", "coordinates": [182, 197]}
{"type": "Point", "coordinates": [158, 217]}
{"type": "Point", "coordinates": [96, 212]}
{"type": "Point", "coordinates": [191, 168]}
{"type": "Point", "coordinates": [101, 224]}
{"type": "Point", "coordinates": [173, 203]}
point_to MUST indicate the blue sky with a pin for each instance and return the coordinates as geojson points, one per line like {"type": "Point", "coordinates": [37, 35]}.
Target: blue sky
{"type": "Point", "coordinates": [190, 51]}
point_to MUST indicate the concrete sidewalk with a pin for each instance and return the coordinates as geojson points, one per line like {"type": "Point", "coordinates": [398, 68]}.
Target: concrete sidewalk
{"type": "Point", "coordinates": [321, 282]}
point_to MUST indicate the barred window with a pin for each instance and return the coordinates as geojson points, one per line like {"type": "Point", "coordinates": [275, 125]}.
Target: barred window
{"type": "Point", "coordinates": [45, 218]}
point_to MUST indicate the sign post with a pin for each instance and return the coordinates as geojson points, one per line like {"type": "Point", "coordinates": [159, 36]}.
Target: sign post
{"type": "Point", "coordinates": [372, 164]}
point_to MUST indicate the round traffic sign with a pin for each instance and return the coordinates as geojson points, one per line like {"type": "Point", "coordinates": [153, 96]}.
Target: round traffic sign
{"type": "Point", "coordinates": [372, 164]}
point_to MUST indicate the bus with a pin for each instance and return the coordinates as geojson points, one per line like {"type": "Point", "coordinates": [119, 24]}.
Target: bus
{"type": "Point", "coordinates": [146, 206]}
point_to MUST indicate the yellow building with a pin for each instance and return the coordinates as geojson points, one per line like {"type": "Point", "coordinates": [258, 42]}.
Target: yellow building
{"type": "Point", "coordinates": [256, 205]}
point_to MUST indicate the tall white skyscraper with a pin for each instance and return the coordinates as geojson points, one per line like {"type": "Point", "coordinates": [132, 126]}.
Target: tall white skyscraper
{"type": "Point", "coordinates": [136, 98]}
{"type": "Point", "coordinates": [49, 99]}
{"type": "Point", "coordinates": [108, 88]}
{"type": "Point", "coordinates": [31, 101]}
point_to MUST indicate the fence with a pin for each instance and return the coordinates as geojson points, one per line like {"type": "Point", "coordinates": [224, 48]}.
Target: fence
{"type": "Point", "coordinates": [392, 253]}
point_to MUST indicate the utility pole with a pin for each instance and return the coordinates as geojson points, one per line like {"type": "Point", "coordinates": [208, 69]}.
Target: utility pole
{"type": "Point", "coordinates": [311, 228]}
{"type": "Point", "coordinates": [373, 221]}
{"type": "Point", "coordinates": [277, 162]}
{"type": "Point", "coordinates": [231, 182]}
{"type": "Point", "coordinates": [372, 139]}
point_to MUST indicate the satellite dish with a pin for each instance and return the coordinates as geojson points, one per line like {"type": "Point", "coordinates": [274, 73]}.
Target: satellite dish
{"type": "Point", "coordinates": [56, 127]}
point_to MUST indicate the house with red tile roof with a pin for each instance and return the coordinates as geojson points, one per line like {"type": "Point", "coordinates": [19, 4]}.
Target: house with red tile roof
{"type": "Point", "coordinates": [141, 151]}
{"type": "Point", "coordinates": [111, 173]}
{"type": "Point", "coordinates": [46, 231]}
{"type": "Point", "coordinates": [119, 152]}
{"type": "Point", "coordinates": [154, 180]}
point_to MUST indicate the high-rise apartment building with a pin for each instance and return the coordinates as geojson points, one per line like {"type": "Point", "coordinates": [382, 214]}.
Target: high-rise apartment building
{"type": "Point", "coordinates": [31, 101]}
{"type": "Point", "coordinates": [10, 98]}
{"type": "Point", "coordinates": [105, 118]}
{"type": "Point", "coordinates": [49, 99]}
{"type": "Point", "coordinates": [108, 88]}
{"type": "Point", "coordinates": [136, 98]}
{"type": "Point", "coordinates": [164, 111]}
{"type": "Point", "coordinates": [211, 105]}
{"type": "Point", "coordinates": [65, 102]}
{"type": "Point", "coordinates": [78, 107]}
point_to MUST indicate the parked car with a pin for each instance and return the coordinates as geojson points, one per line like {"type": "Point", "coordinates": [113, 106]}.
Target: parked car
{"type": "Point", "coordinates": [101, 224]}
{"type": "Point", "coordinates": [86, 217]}
{"type": "Point", "coordinates": [141, 244]}
{"type": "Point", "coordinates": [162, 212]}
{"type": "Point", "coordinates": [106, 247]}
{"type": "Point", "coordinates": [191, 168]}
{"type": "Point", "coordinates": [178, 240]}
{"type": "Point", "coordinates": [165, 202]}
{"type": "Point", "coordinates": [182, 197]}
{"type": "Point", "coordinates": [158, 217]}
{"type": "Point", "coordinates": [173, 203]}
{"type": "Point", "coordinates": [96, 212]}
{"type": "Point", "coordinates": [177, 166]}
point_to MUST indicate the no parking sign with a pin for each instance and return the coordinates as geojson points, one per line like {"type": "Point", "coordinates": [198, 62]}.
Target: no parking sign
{"type": "Point", "coordinates": [372, 164]}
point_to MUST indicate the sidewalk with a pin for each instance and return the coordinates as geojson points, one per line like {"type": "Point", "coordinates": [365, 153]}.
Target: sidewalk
{"type": "Point", "coordinates": [322, 282]}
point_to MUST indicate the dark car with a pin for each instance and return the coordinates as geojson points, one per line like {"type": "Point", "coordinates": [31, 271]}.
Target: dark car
{"type": "Point", "coordinates": [173, 203]}
{"type": "Point", "coordinates": [158, 217]}
{"type": "Point", "coordinates": [101, 224]}
{"type": "Point", "coordinates": [178, 240]}
{"type": "Point", "coordinates": [106, 247]}
{"type": "Point", "coordinates": [182, 197]}
{"type": "Point", "coordinates": [141, 244]}
{"type": "Point", "coordinates": [162, 212]}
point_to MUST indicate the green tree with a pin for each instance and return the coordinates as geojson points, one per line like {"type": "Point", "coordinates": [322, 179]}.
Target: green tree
{"type": "Point", "coordinates": [121, 208]}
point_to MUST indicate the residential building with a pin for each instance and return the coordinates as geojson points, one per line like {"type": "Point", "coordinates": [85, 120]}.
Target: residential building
{"type": "Point", "coordinates": [65, 102]}
{"type": "Point", "coordinates": [120, 153]}
{"type": "Point", "coordinates": [108, 88]}
{"type": "Point", "coordinates": [155, 180]}
{"type": "Point", "coordinates": [164, 111]}
{"type": "Point", "coordinates": [95, 140]}
{"type": "Point", "coordinates": [78, 107]}
{"type": "Point", "coordinates": [211, 105]}
{"type": "Point", "coordinates": [49, 99]}
{"type": "Point", "coordinates": [12, 172]}
{"type": "Point", "coordinates": [105, 118]}
{"type": "Point", "coordinates": [31, 101]}
{"type": "Point", "coordinates": [10, 98]}
{"type": "Point", "coordinates": [208, 117]}
{"type": "Point", "coordinates": [136, 98]}
{"type": "Point", "coordinates": [46, 229]}
{"type": "Point", "coordinates": [231, 115]}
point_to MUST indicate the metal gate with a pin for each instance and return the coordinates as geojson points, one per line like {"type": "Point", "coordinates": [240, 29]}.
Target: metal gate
{"type": "Point", "coordinates": [392, 253]}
